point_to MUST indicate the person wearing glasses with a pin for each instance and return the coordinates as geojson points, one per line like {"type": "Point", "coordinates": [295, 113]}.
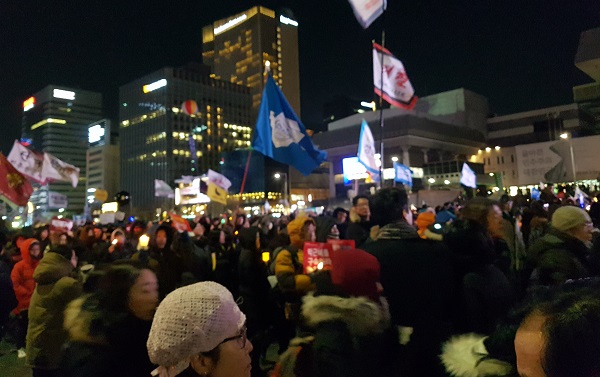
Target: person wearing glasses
{"type": "Point", "coordinates": [564, 252]}
{"type": "Point", "coordinates": [198, 330]}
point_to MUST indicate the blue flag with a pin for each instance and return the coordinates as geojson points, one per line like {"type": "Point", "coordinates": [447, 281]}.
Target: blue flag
{"type": "Point", "coordinates": [403, 174]}
{"type": "Point", "coordinates": [280, 134]}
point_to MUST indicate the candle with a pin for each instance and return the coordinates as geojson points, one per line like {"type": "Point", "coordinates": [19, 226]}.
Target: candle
{"type": "Point", "coordinates": [266, 256]}
{"type": "Point", "coordinates": [143, 243]}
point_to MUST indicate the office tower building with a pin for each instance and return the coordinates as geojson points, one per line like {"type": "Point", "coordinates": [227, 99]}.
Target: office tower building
{"type": "Point", "coordinates": [236, 49]}
{"type": "Point", "coordinates": [161, 139]}
{"type": "Point", "coordinates": [56, 120]}
{"type": "Point", "coordinates": [103, 165]}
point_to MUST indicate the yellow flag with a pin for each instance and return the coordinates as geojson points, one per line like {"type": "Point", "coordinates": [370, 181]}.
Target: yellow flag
{"type": "Point", "coordinates": [216, 193]}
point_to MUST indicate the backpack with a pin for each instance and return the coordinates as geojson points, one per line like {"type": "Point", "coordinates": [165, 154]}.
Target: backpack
{"type": "Point", "coordinates": [293, 251]}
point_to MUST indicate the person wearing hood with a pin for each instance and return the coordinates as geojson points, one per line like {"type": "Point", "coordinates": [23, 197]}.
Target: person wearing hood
{"type": "Point", "coordinates": [347, 324]}
{"type": "Point", "coordinates": [419, 281]}
{"type": "Point", "coordinates": [108, 328]}
{"type": "Point", "coordinates": [54, 290]}
{"type": "Point", "coordinates": [162, 257]}
{"type": "Point", "coordinates": [118, 248]}
{"type": "Point", "coordinates": [326, 228]}
{"type": "Point", "coordinates": [23, 284]}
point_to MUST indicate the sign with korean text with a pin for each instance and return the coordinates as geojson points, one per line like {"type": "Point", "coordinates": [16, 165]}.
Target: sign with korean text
{"type": "Point", "coordinates": [317, 254]}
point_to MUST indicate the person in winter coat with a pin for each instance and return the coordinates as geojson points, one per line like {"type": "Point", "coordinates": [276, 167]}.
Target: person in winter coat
{"type": "Point", "coordinates": [225, 257]}
{"type": "Point", "coordinates": [360, 224]}
{"type": "Point", "coordinates": [486, 294]}
{"type": "Point", "coordinates": [419, 283]}
{"type": "Point", "coordinates": [8, 300]}
{"type": "Point", "coordinates": [118, 248]}
{"type": "Point", "coordinates": [170, 267]}
{"type": "Point", "coordinates": [347, 324]}
{"type": "Point", "coordinates": [54, 290]}
{"type": "Point", "coordinates": [254, 290]}
{"type": "Point", "coordinates": [24, 284]}
{"type": "Point", "coordinates": [108, 329]}
{"type": "Point", "coordinates": [564, 252]}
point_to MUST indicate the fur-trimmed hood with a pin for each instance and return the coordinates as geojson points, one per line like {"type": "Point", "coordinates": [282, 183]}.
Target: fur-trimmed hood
{"type": "Point", "coordinates": [361, 315]}
{"type": "Point", "coordinates": [78, 321]}
{"type": "Point", "coordinates": [466, 356]}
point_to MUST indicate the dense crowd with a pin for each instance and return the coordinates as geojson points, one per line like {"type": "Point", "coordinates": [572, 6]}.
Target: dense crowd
{"type": "Point", "coordinates": [468, 288]}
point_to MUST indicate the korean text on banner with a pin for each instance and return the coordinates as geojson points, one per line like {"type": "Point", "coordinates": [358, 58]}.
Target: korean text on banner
{"type": "Point", "coordinates": [316, 253]}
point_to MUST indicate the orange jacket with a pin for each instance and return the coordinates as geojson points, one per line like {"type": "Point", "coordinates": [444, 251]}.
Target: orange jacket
{"type": "Point", "coordinates": [22, 276]}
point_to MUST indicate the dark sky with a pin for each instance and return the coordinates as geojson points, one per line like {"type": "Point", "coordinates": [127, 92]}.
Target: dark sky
{"type": "Point", "coordinates": [519, 54]}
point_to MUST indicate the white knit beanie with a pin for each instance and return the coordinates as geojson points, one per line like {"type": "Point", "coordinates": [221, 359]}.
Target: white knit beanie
{"type": "Point", "coordinates": [568, 217]}
{"type": "Point", "coordinates": [190, 320]}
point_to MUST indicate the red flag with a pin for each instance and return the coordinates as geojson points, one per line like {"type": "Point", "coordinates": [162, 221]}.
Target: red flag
{"type": "Point", "coordinates": [13, 185]}
{"type": "Point", "coordinates": [179, 223]}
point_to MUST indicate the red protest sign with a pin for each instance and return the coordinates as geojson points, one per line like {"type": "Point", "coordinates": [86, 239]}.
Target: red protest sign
{"type": "Point", "coordinates": [179, 223]}
{"type": "Point", "coordinates": [341, 244]}
{"type": "Point", "coordinates": [316, 253]}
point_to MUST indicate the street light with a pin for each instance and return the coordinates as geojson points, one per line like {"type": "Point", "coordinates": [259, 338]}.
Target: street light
{"type": "Point", "coordinates": [569, 136]}
{"type": "Point", "coordinates": [285, 185]}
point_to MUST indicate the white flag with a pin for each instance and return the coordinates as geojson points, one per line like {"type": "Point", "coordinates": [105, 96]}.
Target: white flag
{"type": "Point", "coordinates": [218, 179]}
{"type": "Point", "coordinates": [367, 11]}
{"type": "Point", "coordinates": [57, 200]}
{"type": "Point", "coordinates": [366, 151]}
{"type": "Point", "coordinates": [468, 177]}
{"type": "Point", "coordinates": [55, 169]}
{"type": "Point", "coordinates": [162, 189]}
{"type": "Point", "coordinates": [396, 88]}
{"type": "Point", "coordinates": [26, 162]}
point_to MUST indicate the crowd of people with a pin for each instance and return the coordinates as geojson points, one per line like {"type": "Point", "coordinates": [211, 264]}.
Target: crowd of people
{"type": "Point", "coordinates": [468, 288]}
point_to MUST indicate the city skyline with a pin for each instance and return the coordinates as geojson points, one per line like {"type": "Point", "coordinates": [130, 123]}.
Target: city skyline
{"type": "Point", "coordinates": [519, 56]}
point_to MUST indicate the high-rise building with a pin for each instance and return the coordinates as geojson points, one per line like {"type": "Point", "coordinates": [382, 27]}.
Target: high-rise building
{"type": "Point", "coordinates": [587, 60]}
{"type": "Point", "coordinates": [103, 163]}
{"type": "Point", "coordinates": [56, 120]}
{"type": "Point", "coordinates": [237, 48]}
{"type": "Point", "coordinates": [159, 140]}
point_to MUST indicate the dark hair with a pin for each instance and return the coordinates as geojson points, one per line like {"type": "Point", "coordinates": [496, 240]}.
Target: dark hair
{"type": "Point", "coordinates": [357, 198]}
{"type": "Point", "coordinates": [388, 204]}
{"type": "Point", "coordinates": [477, 210]}
{"type": "Point", "coordinates": [114, 286]}
{"type": "Point", "coordinates": [63, 250]}
{"type": "Point", "coordinates": [338, 210]}
{"type": "Point", "coordinates": [572, 332]}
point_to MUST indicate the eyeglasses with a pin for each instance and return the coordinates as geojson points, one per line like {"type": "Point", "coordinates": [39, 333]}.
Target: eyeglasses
{"type": "Point", "coordinates": [241, 338]}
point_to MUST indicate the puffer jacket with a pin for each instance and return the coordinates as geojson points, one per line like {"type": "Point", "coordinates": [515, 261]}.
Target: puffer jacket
{"type": "Point", "coordinates": [22, 276]}
{"type": "Point", "coordinates": [55, 289]}
{"type": "Point", "coordinates": [347, 337]}
{"type": "Point", "coordinates": [102, 344]}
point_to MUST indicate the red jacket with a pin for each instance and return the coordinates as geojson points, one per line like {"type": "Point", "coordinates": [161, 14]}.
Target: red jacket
{"type": "Point", "coordinates": [22, 276]}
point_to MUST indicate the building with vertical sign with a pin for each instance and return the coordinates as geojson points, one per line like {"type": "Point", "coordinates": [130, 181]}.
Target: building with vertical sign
{"type": "Point", "coordinates": [103, 163]}
{"type": "Point", "coordinates": [236, 48]}
{"type": "Point", "coordinates": [56, 120]}
{"type": "Point", "coordinates": [158, 140]}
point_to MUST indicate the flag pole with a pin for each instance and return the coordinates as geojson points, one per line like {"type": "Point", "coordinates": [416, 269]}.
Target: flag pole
{"type": "Point", "coordinates": [381, 122]}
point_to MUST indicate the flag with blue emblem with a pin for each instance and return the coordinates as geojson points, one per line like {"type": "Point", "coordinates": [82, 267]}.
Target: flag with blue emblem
{"type": "Point", "coordinates": [403, 174]}
{"type": "Point", "coordinates": [366, 151]}
{"type": "Point", "coordinates": [468, 177]}
{"type": "Point", "coordinates": [279, 133]}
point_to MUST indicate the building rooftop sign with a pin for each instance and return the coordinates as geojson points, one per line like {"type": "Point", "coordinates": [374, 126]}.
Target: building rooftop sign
{"type": "Point", "coordinates": [229, 24]}
{"type": "Point", "coordinates": [64, 94]}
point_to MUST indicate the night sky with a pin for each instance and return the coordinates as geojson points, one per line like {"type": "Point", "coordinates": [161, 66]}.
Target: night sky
{"type": "Point", "coordinates": [519, 54]}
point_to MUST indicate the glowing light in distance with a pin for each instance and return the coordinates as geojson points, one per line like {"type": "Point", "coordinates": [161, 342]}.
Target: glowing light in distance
{"type": "Point", "coordinates": [431, 180]}
{"type": "Point", "coordinates": [395, 159]}
{"type": "Point", "coordinates": [497, 148]}
{"type": "Point", "coordinates": [95, 133]}
{"type": "Point", "coordinates": [370, 105]}
{"type": "Point", "coordinates": [488, 149]}
{"type": "Point", "coordinates": [564, 135]}
{"type": "Point", "coordinates": [28, 103]}
{"type": "Point", "coordinates": [229, 24]}
{"type": "Point", "coordinates": [155, 85]}
{"type": "Point", "coordinates": [287, 21]}
{"type": "Point", "coordinates": [64, 94]}
{"type": "Point", "coordinates": [446, 182]}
